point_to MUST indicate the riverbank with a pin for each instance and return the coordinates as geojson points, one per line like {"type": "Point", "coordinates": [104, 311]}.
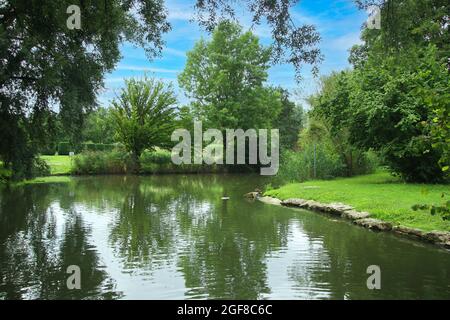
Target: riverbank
{"type": "Point", "coordinates": [386, 198]}
{"type": "Point", "coordinates": [105, 163]}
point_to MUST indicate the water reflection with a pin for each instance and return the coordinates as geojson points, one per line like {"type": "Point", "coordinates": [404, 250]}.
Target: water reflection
{"type": "Point", "coordinates": [174, 237]}
{"type": "Point", "coordinates": [38, 243]}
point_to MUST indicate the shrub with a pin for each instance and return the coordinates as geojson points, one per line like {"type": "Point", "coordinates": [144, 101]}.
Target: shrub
{"type": "Point", "coordinates": [40, 168]}
{"type": "Point", "coordinates": [5, 174]}
{"type": "Point", "coordinates": [119, 162]}
{"type": "Point", "coordinates": [298, 166]}
{"type": "Point", "coordinates": [367, 162]}
{"type": "Point", "coordinates": [105, 147]}
{"type": "Point", "coordinates": [99, 162]}
{"type": "Point", "coordinates": [90, 146]}
{"type": "Point", "coordinates": [158, 157]}
{"type": "Point", "coordinates": [158, 161]}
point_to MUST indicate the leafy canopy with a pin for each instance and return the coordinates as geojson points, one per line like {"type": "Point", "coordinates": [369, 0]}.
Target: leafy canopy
{"type": "Point", "coordinates": [292, 44]}
{"type": "Point", "coordinates": [225, 78]}
{"type": "Point", "coordinates": [44, 65]}
{"type": "Point", "coordinates": [396, 99]}
{"type": "Point", "coordinates": [144, 114]}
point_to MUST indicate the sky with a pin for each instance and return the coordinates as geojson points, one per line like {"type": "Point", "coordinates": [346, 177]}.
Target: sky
{"type": "Point", "coordinates": [338, 22]}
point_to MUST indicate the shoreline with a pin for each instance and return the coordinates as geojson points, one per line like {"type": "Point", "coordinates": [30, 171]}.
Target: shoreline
{"type": "Point", "coordinates": [362, 219]}
{"type": "Point", "coordinates": [62, 177]}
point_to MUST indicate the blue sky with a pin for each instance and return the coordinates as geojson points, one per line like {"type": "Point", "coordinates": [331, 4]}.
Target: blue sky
{"type": "Point", "coordinates": [338, 21]}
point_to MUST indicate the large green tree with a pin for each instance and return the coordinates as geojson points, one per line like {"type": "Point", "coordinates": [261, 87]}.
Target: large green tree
{"type": "Point", "coordinates": [332, 111]}
{"type": "Point", "coordinates": [45, 65]}
{"type": "Point", "coordinates": [144, 114]}
{"type": "Point", "coordinates": [290, 121]}
{"type": "Point", "coordinates": [386, 107]}
{"type": "Point", "coordinates": [225, 78]}
{"type": "Point", "coordinates": [407, 25]}
{"type": "Point", "coordinates": [99, 126]}
{"type": "Point", "coordinates": [396, 99]}
{"type": "Point", "coordinates": [292, 44]}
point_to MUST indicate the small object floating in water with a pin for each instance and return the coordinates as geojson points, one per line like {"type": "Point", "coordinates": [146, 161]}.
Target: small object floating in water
{"type": "Point", "coordinates": [225, 198]}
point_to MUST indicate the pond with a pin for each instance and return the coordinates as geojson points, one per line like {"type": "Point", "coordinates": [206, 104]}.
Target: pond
{"type": "Point", "coordinates": [173, 237]}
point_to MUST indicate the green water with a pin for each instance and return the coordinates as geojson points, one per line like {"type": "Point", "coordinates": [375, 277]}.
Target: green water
{"type": "Point", "coordinates": [173, 237]}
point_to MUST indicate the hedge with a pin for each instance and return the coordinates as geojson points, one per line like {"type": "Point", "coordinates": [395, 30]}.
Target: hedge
{"type": "Point", "coordinates": [49, 150]}
{"type": "Point", "coordinates": [90, 146]}
{"type": "Point", "coordinates": [64, 148]}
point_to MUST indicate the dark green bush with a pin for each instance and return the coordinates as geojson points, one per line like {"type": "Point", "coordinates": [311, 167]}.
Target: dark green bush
{"type": "Point", "coordinates": [40, 168]}
{"type": "Point", "coordinates": [160, 161]}
{"type": "Point", "coordinates": [90, 146]}
{"type": "Point", "coordinates": [366, 162]}
{"type": "Point", "coordinates": [107, 146]}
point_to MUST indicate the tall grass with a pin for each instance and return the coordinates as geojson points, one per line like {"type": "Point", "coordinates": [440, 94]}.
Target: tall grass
{"type": "Point", "coordinates": [120, 162]}
{"type": "Point", "coordinates": [298, 166]}
{"type": "Point", "coordinates": [101, 162]}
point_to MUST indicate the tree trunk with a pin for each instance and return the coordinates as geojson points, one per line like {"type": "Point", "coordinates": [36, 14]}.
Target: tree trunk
{"type": "Point", "coordinates": [136, 165]}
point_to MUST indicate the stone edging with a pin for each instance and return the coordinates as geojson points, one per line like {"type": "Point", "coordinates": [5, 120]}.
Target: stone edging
{"type": "Point", "coordinates": [440, 238]}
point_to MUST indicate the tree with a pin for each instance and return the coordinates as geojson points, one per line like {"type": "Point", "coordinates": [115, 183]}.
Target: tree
{"type": "Point", "coordinates": [225, 78]}
{"type": "Point", "coordinates": [396, 99]}
{"type": "Point", "coordinates": [331, 110]}
{"type": "Point", "coordinates": [433, 90]}
{"type": "Point", "coordinates": [144, 115]}
{"type": "Point", "coordinates": [295, 45]}
{"type": "Point", "coordinates": [408, 25]}
{"type": "Point", "coordinates": [44, 65]}
{"type": "Point", "coordinates": [99, 126]}
{"type": "Point", "coordinates": [289, 121]}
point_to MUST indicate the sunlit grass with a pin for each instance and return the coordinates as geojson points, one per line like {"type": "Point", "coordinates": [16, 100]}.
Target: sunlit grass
{"type": "Point", "coordinates": [59, 165]}
{"type": "Point", "coordinates": [384, 196]}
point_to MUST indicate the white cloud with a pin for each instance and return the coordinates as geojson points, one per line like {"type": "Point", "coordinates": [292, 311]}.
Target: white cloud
{"type": "Point", "coordinates": [344, 42]}
{"type": "Point", "coordinates": [145, 69]}
{"type": "Point", "coordinates": [111, 80]}
{"type": "Point", "coordinates": [177, 14]}
{"type": "Point", "coordinates": [174, 52]}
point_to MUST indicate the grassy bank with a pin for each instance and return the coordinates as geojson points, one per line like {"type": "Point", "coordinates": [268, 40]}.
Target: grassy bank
{"type": "Point", "coordinates": [59, 165]}
{"type": "Point", "coordinates": [384, 196]}
{"type": "Point", "coordinates": [50, 179]}
{"type": "Point", "coordinates": [116, 162]}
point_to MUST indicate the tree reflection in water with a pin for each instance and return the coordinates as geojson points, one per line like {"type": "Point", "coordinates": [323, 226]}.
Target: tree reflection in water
{"type": "Point", "coordinates": [174, 237]}
{"type": "Point", "coordinates": [37, 244]}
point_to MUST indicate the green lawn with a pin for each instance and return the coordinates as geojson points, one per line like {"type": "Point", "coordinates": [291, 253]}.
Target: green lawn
{"type": "Point", "coordinates": [384, 196]}
{"type": "Point", "coordinates": [59, 165]}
